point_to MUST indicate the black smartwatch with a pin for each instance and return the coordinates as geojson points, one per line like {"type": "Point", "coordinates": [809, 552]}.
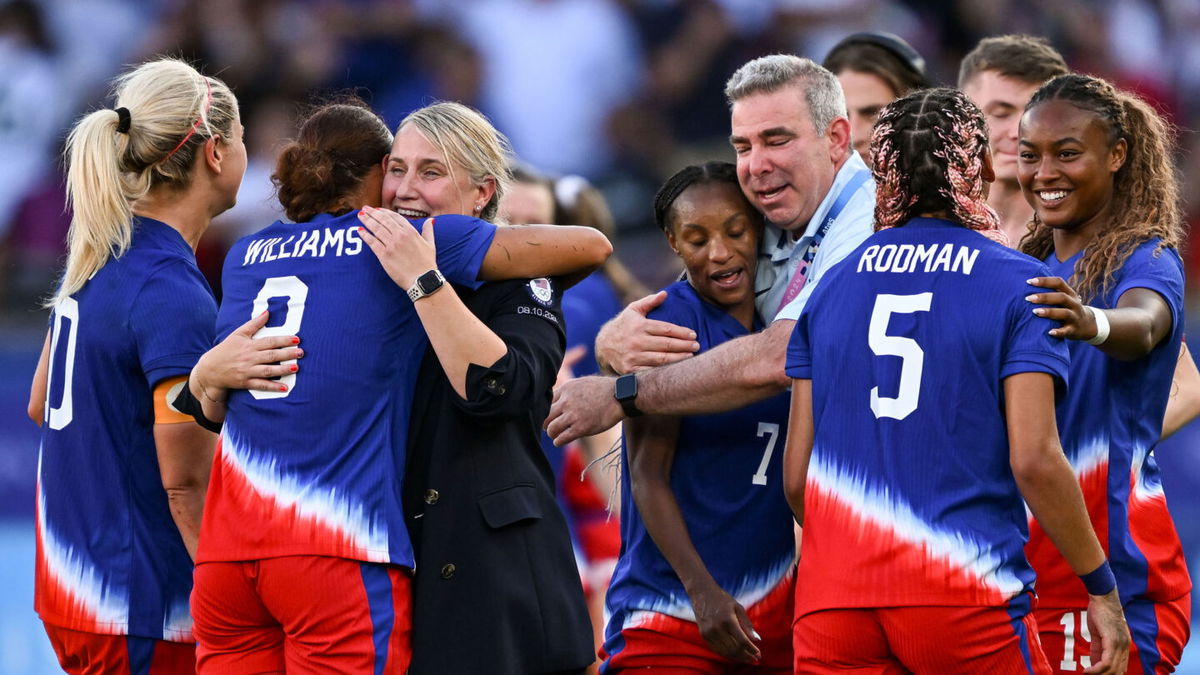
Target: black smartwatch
{"type": "Point", "coordinates": [625, 391]}
{"type": "Point", "coordinates": [426, 284]}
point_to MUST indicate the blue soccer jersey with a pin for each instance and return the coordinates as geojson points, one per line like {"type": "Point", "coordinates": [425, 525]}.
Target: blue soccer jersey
{"type": "Point", "coordinates": [109, 556]}
{"type": "Point", "coordinates": [726, 477]}
{"type": "Point", "coordinates": [317, 470]}
{"type": "Point", "coordinates": [1109, 424]}
{"type": "Point", "coordinates": [909, 497]}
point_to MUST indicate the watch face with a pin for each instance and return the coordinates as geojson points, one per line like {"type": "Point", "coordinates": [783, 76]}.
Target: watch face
{"type": "Point", "coordinates": [626, 387]}
{"type": "Point", "coordinates": [429, 282]}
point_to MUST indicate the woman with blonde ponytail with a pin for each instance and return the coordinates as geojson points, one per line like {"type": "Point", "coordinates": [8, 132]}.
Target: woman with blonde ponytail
{"type": "Point", "coordinates": [121, 475]}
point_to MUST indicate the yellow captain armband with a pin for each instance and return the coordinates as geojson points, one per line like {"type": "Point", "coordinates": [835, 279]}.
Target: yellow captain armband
{"type": "Point", "coordinates": [165, 392]}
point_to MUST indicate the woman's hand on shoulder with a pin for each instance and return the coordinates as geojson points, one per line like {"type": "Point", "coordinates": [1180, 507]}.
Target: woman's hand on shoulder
{"type": "Point", "coordinates": [1059, 302]}
{"type": "Point", "coordinates": [404, 253]}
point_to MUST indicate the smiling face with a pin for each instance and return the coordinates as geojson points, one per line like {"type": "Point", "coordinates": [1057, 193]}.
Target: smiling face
{"type": "Point", "coordinates": [716, 233]}
{"type": "Point", "coordinates": [785, 167]}
{"type": "Point", "coordinates": [866, 95]}
{"type": "Point", "coordinates": [1067, 166]}
{"type": "Point", "coordinates": [419, 181]}
{"type": "Point", "coordinates": [1002, 100]}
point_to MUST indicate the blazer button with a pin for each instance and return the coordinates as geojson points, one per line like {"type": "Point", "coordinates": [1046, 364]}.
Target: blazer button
{"type": "Point", "coordinates": [432, 496]}
{"type": "Point", "coordinates": [448, 570]}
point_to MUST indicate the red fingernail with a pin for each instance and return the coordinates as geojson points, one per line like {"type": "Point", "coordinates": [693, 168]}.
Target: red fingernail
{"type": "Point", "coordinates": [283, 387]}
{"type": "Point", "coordinates": [299, 353]}
{"type": "Point", "coordinates": [295, 340]}
{"type": "Point", "coordinates": [293, 367]}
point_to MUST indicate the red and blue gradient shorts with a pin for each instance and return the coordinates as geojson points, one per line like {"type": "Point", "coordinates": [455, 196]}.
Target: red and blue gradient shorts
{"type": "Point", "coordinates": [302, 614]}
{"type": "Point", "coordinates": [897, 640]}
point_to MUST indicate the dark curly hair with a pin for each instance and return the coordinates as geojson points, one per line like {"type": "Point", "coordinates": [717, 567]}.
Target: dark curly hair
{"type": "Point", "coordinates": [336, 147]}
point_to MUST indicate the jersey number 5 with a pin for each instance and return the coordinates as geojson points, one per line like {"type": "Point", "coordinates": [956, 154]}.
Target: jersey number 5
{"type": "Point", "coordinates": [296, 294]}
{"type": "Point", "coordinates": [912, 358]}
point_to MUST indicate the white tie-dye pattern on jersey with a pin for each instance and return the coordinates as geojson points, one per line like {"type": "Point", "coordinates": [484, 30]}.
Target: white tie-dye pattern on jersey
{"type": "Point", "coordinates": [747, 594]}
{"type": "Point", "coordinates": [307, 499]}
{"type": "Point", "coordinates": [79, 587]}
{"type": "Point", "coordinates": [877, 506]}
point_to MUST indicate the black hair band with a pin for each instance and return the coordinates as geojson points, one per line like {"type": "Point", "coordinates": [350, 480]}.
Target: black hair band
{"type": "Point", "coordinates": [123, 120]}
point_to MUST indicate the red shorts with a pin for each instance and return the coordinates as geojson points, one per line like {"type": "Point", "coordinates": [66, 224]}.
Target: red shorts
{"type": "Point", "coordinates": [95, 654]}
{"type": "Point", "coordinates": [895, 640]}
{"type": "Point", "coordinates": [302, 614]}
{"type": "Point", "coordinates": [667, 645]}
{"type": "Point", "coordinates": [1159, 632]}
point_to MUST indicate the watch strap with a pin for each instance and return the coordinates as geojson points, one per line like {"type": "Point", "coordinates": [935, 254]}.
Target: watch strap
{"type": "Point", "coordinates": [415, 292]}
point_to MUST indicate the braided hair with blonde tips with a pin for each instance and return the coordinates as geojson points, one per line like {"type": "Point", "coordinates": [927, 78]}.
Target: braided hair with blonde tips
{"type": "Point", "coordinates": [1145, 196]}
{"type": "Point", "coordinates": [927, 155]}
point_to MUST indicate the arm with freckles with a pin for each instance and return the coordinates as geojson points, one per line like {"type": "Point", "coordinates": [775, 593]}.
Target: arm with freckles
{"type": "Point", "coordinates": [732, 375]}
{"type": "Point", "coordinates": [570, 252]}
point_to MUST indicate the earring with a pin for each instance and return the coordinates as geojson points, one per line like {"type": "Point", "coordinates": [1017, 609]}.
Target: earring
{"type": "Point", "coordinates": [477, 208]}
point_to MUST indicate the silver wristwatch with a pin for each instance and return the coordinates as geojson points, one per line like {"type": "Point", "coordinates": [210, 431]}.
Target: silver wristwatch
{"type": "Point", "coordinates": [426, 284]}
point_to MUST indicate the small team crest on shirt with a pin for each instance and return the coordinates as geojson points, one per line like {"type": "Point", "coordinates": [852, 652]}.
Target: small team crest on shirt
{"type": "Point", "coordinates": [541, 290]}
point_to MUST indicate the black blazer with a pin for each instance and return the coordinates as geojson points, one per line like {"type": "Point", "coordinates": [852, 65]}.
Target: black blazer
{"type": "Point", "coordinates": [496, 589]}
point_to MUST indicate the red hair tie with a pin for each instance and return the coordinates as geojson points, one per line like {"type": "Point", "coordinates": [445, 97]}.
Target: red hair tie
{"type": "Point", "coordinates": [196, 125]}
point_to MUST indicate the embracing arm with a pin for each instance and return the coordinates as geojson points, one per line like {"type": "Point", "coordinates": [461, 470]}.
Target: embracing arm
{"type": "Point", "coordinates": [1051, 491]}
{"type": "Point", "coordinates": [630, 341]}
{"type": "Point", "coordinates": [242, 361]}
{"type": "Point", "coordinates": [459, 338]}
{"type": "Point", "coordinates": [37, 390]}
{"type": "Point", "coordinates": [722, 621]}
{"type": "Point", "coordinates": [528, 251]}
{"type": "Point", "coordinates": [732, 375]}
{"type": "Point", "coordinates": [1183, 406]}
{"type": "Point", "coordinates": [1140, 321]}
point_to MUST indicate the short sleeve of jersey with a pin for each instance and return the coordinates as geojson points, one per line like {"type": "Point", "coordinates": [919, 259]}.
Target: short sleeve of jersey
{"type": "Point", "coordinates": [172, 320]}
{"type": "Point", "coordinates": [675, 309]}
{"type": "Point", "coordinates": [798, 365]}
{"type": "Point", "coordinates": [1030, 348]}
{"type": "Point", "coordinates": [1161, 272]}
{"type": "Point", "coordinates": [462, 242]}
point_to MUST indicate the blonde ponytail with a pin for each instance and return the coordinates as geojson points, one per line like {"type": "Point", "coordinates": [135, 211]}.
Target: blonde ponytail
{"type": "Point", "coordinates": [172, 110]}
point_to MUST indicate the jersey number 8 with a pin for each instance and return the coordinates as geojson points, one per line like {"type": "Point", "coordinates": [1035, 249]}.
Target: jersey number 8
{"type": "Point", "coordinates": [296, 294]}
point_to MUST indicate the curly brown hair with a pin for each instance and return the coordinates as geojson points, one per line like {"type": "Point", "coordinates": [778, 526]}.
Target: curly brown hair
{"type": "Point", "coordinates": [1145, 202]}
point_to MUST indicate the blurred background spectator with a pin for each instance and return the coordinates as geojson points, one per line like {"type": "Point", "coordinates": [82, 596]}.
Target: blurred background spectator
{"type": "Point", "coordinates": [620, 92]}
